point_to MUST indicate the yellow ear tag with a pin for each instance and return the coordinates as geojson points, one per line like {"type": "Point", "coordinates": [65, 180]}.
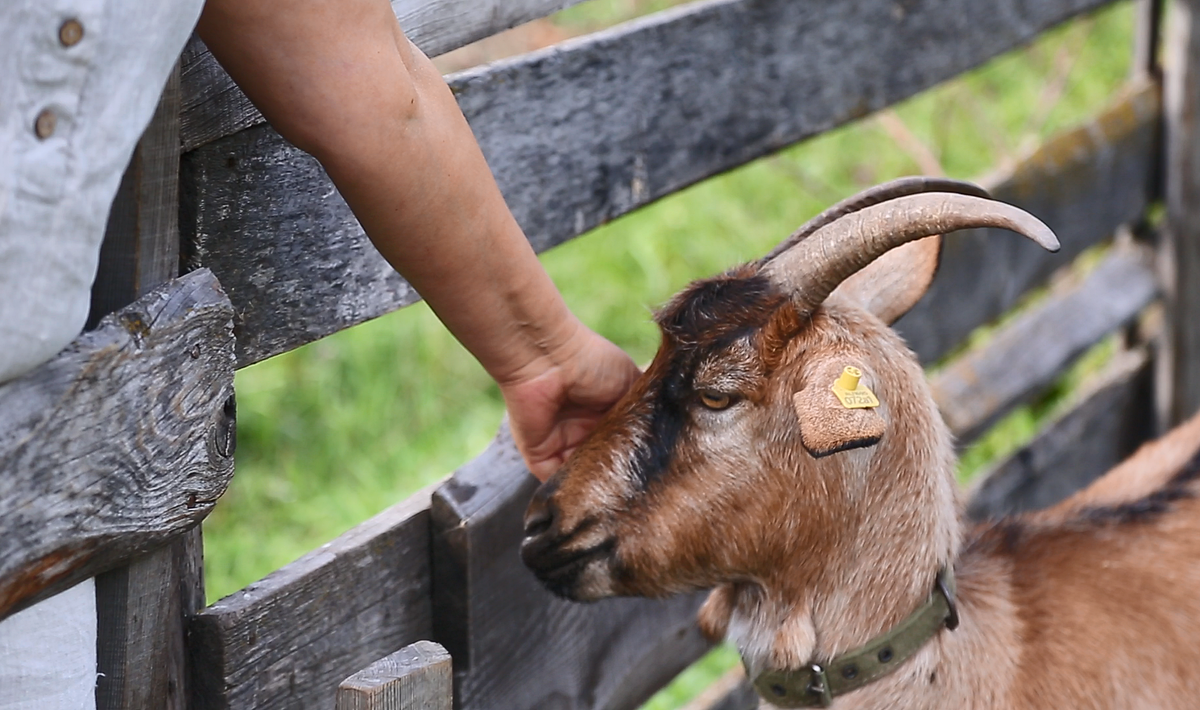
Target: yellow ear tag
{"type": "Point", "coordinates": [852, 393]}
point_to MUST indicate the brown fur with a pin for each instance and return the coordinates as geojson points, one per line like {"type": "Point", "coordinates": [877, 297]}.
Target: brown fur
{"type": "Point", "coordinates": [1091, 604]}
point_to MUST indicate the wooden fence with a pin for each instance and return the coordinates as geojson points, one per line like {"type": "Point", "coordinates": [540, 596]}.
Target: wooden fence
{"type": "Point", "coordinates": [112, 453]}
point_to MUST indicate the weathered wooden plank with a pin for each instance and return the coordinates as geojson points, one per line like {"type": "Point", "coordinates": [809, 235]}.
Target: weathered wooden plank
{"type": "Point", "coordinates": [214, 107]}
{"type": "Point", "coordinates": [119, 443]}
{"type": "Point", "coordinates": [289, 639]}
{"type": "Point", "coordinates": [1112, 419]}
{"type": "Point", "coordinates": [1147, 39]}
{"type": "Point", "coordinates": [1179, 358]}
{"type": "Point", "coordinates": [581, 133]}
{"type": "Point", "coordinates": [1083, 183]}
{"type": "Point", "coordinates": [140, 608]}
{"type": "Point", "coordinates": [1028, 354]}
{"type": "Point", "coordinates": [143, 610]}
{"type": "Point", "coordinates": [514, 644]}
{"type": "Point", "coordinates": [141, 617]}
{"type": "Point", "coordinates": [417, 677]}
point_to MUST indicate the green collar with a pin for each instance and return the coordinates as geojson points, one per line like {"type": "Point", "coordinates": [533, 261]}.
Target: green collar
{"type": "Point", "coordinates": [818, 684]}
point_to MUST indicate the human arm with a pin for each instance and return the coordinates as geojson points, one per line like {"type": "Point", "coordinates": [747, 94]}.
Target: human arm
{"type": "Point", "coordinates": [340, 80]}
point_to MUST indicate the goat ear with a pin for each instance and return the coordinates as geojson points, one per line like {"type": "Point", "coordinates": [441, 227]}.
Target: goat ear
{"type": "Point", "coordinates": [837, 421]}
{"type": "Point", "coordinates": [892, 284]}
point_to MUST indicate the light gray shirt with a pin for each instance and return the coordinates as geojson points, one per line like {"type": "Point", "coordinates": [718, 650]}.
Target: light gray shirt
{"type": "Point", "coordinates": [79, 81]}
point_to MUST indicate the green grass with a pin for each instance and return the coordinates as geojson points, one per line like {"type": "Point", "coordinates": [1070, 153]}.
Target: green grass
{"type": "Point", "coordinates": [334, 432]}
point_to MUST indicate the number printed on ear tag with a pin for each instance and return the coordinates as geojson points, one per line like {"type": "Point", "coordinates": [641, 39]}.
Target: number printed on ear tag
{"type": "Point", "coordinates": [851, 392]}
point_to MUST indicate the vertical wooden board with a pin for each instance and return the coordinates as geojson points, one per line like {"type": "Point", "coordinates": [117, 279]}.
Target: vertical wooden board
{"type": "Point", "coordinates": [1147, 39]}
{"type": "Point", "coordinates": [140, 648]}
{"type": "Point", "coordinates": [1111, 420]}
{"type": "Point", "coordinates": [141, 608]}
{"type": "Point", "coordinates": [288, 640]}
{"type": "Point", "coordinates": [417, 677]}
{"type": "Point", "coordinates": [514, 644]}
{"type": "Point", "coordinates": [1178, 379]}
{"type": "Point", "coordinates": [1083, 183]}
{"type": "Point", "coordinates": [149, 602]}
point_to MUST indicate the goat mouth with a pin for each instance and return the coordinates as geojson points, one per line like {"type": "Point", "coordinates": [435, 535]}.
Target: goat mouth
{"type": "Point", "coordinates": [561, 570]}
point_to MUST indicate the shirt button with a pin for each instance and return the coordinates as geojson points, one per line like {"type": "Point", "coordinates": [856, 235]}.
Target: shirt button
{"type": "Point", "coordinates": [45, 124]}
{"type": "Point", "coordinates": [70, 33]}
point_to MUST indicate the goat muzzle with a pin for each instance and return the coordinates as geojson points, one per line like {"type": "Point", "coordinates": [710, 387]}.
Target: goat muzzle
{"type": "Point", "coordinates": [570, 563]}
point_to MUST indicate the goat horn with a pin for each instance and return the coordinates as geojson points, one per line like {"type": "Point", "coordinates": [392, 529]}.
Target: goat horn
{"type": "Point", "coordinates": [813, 267]}
{"type": "Point", "coordinates": [900, 187]}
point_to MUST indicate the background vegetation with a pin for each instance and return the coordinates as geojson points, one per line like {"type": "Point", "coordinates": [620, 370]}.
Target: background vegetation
{"type": "Point", "coordinates": [332, 433]}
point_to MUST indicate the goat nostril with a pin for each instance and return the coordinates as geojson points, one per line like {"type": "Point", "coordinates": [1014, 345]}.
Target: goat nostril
{"type": "Point", "coordinates": [538, 519]}
{"type": "Point", "coordinates": [541, 514]}
{"type": "Point", "coordinates": [536, 526]}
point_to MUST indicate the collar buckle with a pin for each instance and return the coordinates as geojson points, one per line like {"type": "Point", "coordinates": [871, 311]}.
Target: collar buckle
{"type": "Point", "coordinates": [818, 686]}
{"type": "Point", "coordinates": [806, 687]}
{"type": "Point", "coordinates": [945, 585]}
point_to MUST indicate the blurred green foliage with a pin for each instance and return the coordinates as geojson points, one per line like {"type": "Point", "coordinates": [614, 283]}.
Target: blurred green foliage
{"type": "Point", "coordinates": [334, 432]}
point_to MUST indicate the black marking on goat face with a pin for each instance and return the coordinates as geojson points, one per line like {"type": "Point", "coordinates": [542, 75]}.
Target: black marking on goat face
{"type": "Point", "coordinates": [703, 320]}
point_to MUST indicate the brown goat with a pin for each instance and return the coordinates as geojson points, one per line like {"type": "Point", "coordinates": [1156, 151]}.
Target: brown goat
{"type": "Point", "coordinates": [731, 465]}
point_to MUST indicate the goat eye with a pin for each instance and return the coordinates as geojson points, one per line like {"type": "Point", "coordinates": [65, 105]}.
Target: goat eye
{"type": "Point", "coordinates": [716, 400]}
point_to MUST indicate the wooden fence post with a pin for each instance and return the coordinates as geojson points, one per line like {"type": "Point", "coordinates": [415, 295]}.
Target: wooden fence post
{"type": "Point", "coordinates": [1146, 39]}
{"type": "Point", "coordinates": [141, 608]}
{"type": "Point", "coordinates": [1178, 375]}
{"type": "Point", "coordinates": [417, 677]}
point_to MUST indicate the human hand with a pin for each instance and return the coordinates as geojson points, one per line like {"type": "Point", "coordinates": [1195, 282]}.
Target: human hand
{"type": "Point", "coordinates": [558, 401]}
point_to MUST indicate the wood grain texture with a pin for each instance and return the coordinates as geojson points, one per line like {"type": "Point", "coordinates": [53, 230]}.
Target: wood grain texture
{"type": "Point", "coordinates": [1028, 354]}
{"type": "Point", "coordinates": [417, 677]}
{"type": "Point", "coordinates": [514, 644]}
{"type": "Point", "coordinates": [140, 660]}
{"type": "Point", "coordinates": [583, 132]}
{"type": "Point", "coordinates": [1179, 358]}
{"type": "Point", "coordinates": [141, 608]}
{"type": "Point", "coordinates": [214, 107]}
{"type": "Point", "coordinates": [288, 640]}
{"type": "Point", "coordinates": [118, 444]}
{"type": "Point", "coordinates": [1112, 418]}
{"type": "Point", "coordinates": [1083, 183]}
